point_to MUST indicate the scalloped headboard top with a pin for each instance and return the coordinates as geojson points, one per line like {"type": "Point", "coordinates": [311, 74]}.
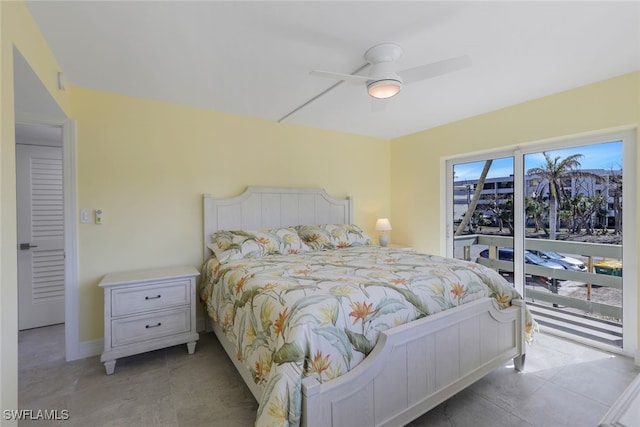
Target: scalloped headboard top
{"type": "Point", "coordinates": [273, 207]}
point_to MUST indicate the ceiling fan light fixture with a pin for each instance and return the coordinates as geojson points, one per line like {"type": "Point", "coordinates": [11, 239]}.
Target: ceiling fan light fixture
{"type": "Point", "coordinates": [384, 88]}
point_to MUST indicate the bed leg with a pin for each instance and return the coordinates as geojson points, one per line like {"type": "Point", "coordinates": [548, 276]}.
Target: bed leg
{"type": "Point", "coordinates": [518, 362]}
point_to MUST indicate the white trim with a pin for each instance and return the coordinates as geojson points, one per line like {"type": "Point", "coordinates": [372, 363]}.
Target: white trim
{"type": "Point", "coordinates": [630, 311]}
{"type": "Point", "coordinates": [72, 315]}
{"type": "Point", "coordinates": [446, 197]}
{"type": "Point", "coordinates": [519, 232]}
{"type": "Point", "coordinates": [73, 349]}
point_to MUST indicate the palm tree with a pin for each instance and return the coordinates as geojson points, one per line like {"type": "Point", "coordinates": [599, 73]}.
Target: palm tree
{"type": "Point", "coordinates": [536, 210]}
{"type": "Point", "coordinates": [553, 173]}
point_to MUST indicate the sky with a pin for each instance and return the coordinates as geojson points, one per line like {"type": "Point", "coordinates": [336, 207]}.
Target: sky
{"type": "Point", "coordinates": [596, 156]}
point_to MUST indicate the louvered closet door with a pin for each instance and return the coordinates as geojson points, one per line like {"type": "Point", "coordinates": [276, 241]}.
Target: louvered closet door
{"type": "Point", "coordinates": [40, 236]}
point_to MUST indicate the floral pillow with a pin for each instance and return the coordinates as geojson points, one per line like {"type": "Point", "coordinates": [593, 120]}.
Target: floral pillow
{"type": "Point", "coordinates": [333, 236]}
{"type": "Point", "coordinates": [289, 241]}
{"type": "Point", "coordinates": [229, 245]}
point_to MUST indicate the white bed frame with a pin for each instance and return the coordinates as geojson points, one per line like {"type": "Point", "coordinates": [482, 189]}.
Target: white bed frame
{"type": "Point", "coordinates": [413, 367]}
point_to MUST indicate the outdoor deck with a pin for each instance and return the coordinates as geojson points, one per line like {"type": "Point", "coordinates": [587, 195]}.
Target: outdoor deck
{"type": "Point", "coordinates": [583, 326]}
{"type": "Point", "coordinates": [584, 304]}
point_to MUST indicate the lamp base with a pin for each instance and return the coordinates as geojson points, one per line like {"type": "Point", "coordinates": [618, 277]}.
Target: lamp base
{"type": "Point", "coordinates": [383, 239]}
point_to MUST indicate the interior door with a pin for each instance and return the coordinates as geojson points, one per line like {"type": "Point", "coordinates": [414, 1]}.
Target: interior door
{"type": "Point", "coordinates": [40, 204]}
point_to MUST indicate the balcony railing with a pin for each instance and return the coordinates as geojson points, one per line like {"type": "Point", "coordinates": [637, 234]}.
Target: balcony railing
{"type": "Point", "coordinates": [592, 252]}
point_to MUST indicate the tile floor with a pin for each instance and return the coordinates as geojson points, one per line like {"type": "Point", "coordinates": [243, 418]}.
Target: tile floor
{"type": "Point", "coordinates": [564, 384]}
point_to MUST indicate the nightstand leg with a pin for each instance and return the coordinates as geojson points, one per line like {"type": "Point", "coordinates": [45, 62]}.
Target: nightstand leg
{"type": "Point", "coordinates": [191, 347]}
{"type": "Point", "coordinates": [110, 366]}
{"type": "Point", "coordinates": [518, 362]}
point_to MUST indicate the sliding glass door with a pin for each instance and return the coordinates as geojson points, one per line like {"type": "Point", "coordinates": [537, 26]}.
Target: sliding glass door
{"type": "Point", "coordinates": [551, 220]}
{"type": "Point", "coordinates": [482, 214]}
{"type": "Point", "coordinates": [573, 208]}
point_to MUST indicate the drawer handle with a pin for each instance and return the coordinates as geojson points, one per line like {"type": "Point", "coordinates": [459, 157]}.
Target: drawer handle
{"type": "Point", "coordinates": [153, 326]}
{"type": "Point", "coordinates": [156, 297]}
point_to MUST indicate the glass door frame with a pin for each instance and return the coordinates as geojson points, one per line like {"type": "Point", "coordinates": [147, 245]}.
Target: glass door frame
{"type": "Point", "coordinates": [629, 214]}
{"type": "Point", "coordinates": [518, 203]}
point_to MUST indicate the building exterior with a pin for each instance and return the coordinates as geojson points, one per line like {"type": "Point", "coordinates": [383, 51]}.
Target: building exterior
{"type": "Point", "coordinates": [498, 191]}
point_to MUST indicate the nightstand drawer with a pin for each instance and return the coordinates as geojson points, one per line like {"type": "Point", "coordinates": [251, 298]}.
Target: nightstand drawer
{"type": "Point", "coordinates": [146, 327]}
{"type": "Point", "coordinates": [150, 297]}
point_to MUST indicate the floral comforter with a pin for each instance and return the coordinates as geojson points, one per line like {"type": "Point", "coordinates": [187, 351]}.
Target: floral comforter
{"type": "Point", "coordinates": [319, 313]}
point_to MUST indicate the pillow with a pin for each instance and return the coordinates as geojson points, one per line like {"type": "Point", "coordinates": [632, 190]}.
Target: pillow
{"type": "Point", "coordinates": [333, 236]}
{"type": "Point", "coordinates": [229, 245]}
{"type": "Point", "coordinates": [289, 241]}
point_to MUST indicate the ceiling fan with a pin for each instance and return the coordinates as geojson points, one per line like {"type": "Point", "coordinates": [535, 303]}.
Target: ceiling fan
{"type": "Point", "coordinates": [383, 81]}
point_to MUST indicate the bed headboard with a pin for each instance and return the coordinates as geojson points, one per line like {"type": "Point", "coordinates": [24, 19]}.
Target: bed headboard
{"type": "Point", "coordinates": [273, 207]}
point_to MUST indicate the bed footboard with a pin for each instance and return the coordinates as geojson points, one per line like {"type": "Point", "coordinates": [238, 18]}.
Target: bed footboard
{"type": "Point", "coordinates": [416, 366]}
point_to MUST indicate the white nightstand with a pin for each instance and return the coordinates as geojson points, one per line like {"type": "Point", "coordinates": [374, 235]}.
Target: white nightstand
{"type": "Point", "coordinates": [148, 310]}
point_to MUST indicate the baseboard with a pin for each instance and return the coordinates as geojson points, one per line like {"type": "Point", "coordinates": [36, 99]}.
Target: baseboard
{"type": "Point", "coordinates": [95, 347]}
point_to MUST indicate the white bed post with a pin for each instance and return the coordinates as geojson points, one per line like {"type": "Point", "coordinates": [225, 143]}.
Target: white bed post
{"type": "Point", "coordinates": [311, 403]}
{"type": "Point", "coordinates": [518, 361]}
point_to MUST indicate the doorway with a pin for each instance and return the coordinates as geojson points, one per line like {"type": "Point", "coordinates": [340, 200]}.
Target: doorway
{"type": "Point", "coordinates": [35, 106]}
{"type": "Point", "coordinates": [40, 216]}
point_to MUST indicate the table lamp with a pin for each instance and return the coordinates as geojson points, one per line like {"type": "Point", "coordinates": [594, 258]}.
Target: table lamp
{"type": "Point", "coordinates": [383, 225]}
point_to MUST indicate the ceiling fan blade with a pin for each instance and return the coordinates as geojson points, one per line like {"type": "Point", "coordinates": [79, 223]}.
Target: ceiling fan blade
{"type": "Point", "coordinates": [354, 78]}
{"type": "Point", "coordinates": [435, 69]}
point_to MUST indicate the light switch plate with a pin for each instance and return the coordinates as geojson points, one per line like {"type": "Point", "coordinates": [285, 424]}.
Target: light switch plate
{"type": "Point", "coordinates": [85, 216]}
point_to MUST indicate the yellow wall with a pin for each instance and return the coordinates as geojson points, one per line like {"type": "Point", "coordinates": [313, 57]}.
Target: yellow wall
{"type": "Point", "coordinates": [146, 164]}
{"type": "Point", "coordinates": [17, 28]}
{"type": "Point", "coordinates": [417, 159]}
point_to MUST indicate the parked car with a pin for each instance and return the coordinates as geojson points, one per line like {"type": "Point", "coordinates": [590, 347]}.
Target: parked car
{"type": "Point", "coordinates": [567, 262]}
{"type": "Point", "coordinates": [506, 254]}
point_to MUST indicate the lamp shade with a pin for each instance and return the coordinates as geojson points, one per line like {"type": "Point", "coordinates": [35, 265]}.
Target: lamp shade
{"type": "Point", "coordinates": [383, 224]}
{"type": "Point", "coordinates": [382, 89]}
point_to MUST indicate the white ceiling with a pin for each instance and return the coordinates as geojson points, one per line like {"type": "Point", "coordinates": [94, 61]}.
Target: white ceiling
{"type": "Point", "coordinates": [254, 58]}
